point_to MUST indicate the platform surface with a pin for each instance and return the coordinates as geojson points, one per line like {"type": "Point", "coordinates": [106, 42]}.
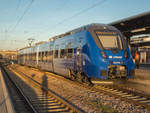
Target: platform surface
{"type": "Point", "coordinates": [5, 102]}
{"type": "Point", "coordinates": [3, 107]}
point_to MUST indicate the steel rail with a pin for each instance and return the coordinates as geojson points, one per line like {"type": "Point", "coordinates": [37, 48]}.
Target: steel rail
{"type": "Point", "coordinates": [70, 106]}
{"type": "Point", "coordinates": [19, 91]}
{"type": "Point", "coordinates": [132, 97]}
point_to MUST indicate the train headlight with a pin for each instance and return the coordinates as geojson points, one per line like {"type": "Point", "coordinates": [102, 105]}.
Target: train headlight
{"type": "Point", "coordinates": [121, 67]}
{"type": "Point", "coordinates": [103, 54]}
{"type": "Point", "coordinates": [126, 54]}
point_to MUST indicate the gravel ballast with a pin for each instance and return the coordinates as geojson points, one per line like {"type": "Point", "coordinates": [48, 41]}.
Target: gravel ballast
{"type": "Point", "coordinates": [89, 101]}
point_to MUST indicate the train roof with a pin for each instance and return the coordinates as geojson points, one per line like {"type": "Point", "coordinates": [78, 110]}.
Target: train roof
{"type": "Point", "coordinates": [85, 27]}
{"type": "Point", "coordinates": [24, 48]}
{"type": "Point", "coordinates": [41, 42]}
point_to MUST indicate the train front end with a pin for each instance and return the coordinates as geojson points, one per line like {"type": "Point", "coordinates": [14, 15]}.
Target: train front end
{"type": "Point", "coordinates": [112, 56]}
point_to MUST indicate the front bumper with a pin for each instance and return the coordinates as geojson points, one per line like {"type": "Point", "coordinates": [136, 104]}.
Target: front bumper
{"type": "Point", "coordinates": [117, 71]}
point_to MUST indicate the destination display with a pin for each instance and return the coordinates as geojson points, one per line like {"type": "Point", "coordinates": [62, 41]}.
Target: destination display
{"type": "Point", "coordinates": [105, 33]}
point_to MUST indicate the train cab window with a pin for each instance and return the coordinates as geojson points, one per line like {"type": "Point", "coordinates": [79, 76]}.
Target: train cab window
{"type": "Point", "coordinates": [110, 40]}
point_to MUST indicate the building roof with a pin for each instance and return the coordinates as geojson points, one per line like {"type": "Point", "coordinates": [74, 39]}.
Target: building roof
{"type": "Point", "coordinates": [135, 25]}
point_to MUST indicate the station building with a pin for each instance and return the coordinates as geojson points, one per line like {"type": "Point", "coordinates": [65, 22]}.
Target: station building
{"type": "Point", "coordinates": [142, 44]}
{"type": "Point", "coordinates": [9, 55]}
{"type": "Point", "coordinates": [137, 31]}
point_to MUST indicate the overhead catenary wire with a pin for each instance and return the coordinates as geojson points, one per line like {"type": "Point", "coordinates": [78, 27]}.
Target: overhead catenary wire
{"type": "Point", "coordinates": [18, 5]}
{"type": "Point", "coordinates": [73, 16]}
{"type": "Point", "coordinates": [59, 9]}
{"type": "Point", "coordinates": [82, 11]}
{"type": "Point", "coordinates": [20, 19]}
{"type": "Point", "coordinates": [15, 13]}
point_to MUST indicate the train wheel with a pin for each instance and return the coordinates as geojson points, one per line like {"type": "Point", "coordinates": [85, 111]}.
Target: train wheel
{"type": "Point", "coordinates": [71, 75]}
{"type": "Point", "coordinates": [88, 80]}
{"type": "Point", "coordinates": [80, 77]}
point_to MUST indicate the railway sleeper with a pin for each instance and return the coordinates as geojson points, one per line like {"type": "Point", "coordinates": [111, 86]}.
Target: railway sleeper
{"type": "Point", "coordinates": [139, 99]}
{"type": "Point", "coordinates": [145, 101]}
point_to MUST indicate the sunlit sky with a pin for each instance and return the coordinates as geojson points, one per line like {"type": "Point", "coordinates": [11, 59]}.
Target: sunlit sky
{"type": "Point", "coordinates": [42, 19]}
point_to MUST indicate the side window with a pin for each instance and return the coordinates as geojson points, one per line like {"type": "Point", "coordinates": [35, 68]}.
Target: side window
{"type": "Point", "coordinates": [62, 52]}
{"type": "Point", "coordinates": [46, 56]}
{"type": "Point", "coordinates": [30, 56]}
{"type": "Point", "coordinates": [69, 50]}
{"type": "Point", "coordinates": [24, 56]}
{"type": "Point", "coordinates": [34, 56]}
{"type": "Point", "coordinates": [27, 56]}
{"type": "Point", "coordinates": [56, 54]}
{"type": "Point", "coordinates": [43, 56]}
{"type": "Point", "coordinates": [50, 56]}
{"type": "Point", "coordinates": [70, 53]}
{"type": "Point", "coordinates": [40, 56]}
{"type": "Point", "coordinates": [56, 51]}
{"type": "Point", "coordinates": [50, 53]}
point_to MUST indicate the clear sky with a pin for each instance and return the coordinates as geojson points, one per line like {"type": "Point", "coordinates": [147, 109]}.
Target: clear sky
{"type": "Point", "coordinates": [42, 19]}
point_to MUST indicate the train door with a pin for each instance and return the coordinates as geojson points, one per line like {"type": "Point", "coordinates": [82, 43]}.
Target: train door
{"type": "Point", "coordinates": [50, 59]}
{"type": "Point", "coordinates": [69, 58]}
{"type": "Point", "coordinates": [78, 62]}
{"type": "Point", "coordinates": [37, 56]}
{"type": "Point", "coordinates": [64, 62]}
{"type": "Point", "coordinates": [56, 58]}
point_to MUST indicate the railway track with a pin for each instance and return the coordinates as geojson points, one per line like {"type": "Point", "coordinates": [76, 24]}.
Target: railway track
{"type": "Point", "coordinates": [121, 92]}
{"type": "Point", "coordinates": [47, 100]}
{"type": "Point", "coordinates": [126, 94]}
{"type": "Point", "coordinates": [20, 101]}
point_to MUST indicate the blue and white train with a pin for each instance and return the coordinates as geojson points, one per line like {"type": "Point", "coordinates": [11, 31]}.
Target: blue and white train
{"type": "Point", "coordinates": [95, 51]}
